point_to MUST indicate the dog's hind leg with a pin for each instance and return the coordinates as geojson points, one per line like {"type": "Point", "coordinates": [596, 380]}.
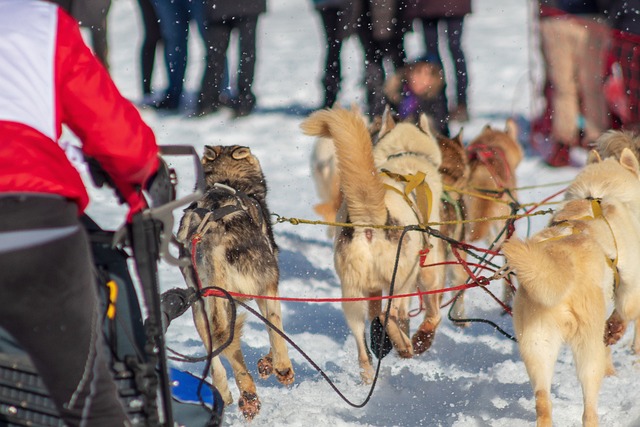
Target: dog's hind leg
{"type": "Point", "coordinates": [248, 402]}
{"type": "Point", "coordinates": [207, 334]}
{"type": "Point", "coordinates": [591, 360]}
{"type": "Point", "coordinates": [397, 325]}
{"type": "Point", "coordinates": [539, 352]}
{"type": "Point", "coordinates": [355, 313]}
{"type": "Point", "coordinates": [277, 361]}
{"type": "Point", "coordinates": [431, 279]}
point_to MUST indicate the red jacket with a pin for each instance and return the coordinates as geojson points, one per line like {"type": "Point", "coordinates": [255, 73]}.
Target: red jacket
{"type": "Point", "coordinates": [49, 77]}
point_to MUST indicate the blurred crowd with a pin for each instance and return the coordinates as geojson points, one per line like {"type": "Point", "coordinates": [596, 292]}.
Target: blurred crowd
{"type": "Point", "coordinates": [591, 52]}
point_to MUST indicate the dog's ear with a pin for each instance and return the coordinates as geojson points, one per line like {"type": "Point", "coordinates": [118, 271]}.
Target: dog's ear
{"type": "Point", "coordinates": [241, 153]}
{"type": "Point", "coordinates": [425, 124]}
{"type": "Point", "coordinates": [630, 161]}
{"type": "Point", "coordinates": [512, 129]}
{"type": "Point", "coordinates": [458, 138]}
{"type": "Point", "coordinates": [210, 154]}
{"type": "Point", "coordinates": [387, 122]}
{"type": "Point", "coordinates": [593, 157]}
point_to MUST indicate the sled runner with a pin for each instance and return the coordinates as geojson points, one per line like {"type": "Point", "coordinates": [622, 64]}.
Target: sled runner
{"type": "Point", "coordinates": [153, 393]}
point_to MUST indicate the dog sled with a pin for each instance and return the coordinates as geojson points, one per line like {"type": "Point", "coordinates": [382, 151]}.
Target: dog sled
{"type": "Point", "coordinates": [153, 393]}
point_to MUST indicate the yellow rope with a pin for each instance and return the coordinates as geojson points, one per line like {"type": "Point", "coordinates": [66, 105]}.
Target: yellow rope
{"type": "Point", "coordinates": [297, 221]}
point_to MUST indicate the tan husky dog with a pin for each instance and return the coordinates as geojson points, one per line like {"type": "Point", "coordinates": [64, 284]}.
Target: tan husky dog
{"type": "Point", "coordinates": [365, 256]}
{"type": "Point", "coordinates": [568, 272]}
{"type": "Point", "coordinates": [611, 144]}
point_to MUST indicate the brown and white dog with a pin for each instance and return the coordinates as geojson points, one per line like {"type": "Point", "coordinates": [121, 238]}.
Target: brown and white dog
{"type": "Point", "coordinates": [567, 275]}
{"type": "Point", "coordinates": [494, 156]}
{"type": "Point", "coordinates": [364, 257]}
{"type": "Point", "coordinates": [454, 171]}
{"type": "Point", "coordinates": [237, 252]}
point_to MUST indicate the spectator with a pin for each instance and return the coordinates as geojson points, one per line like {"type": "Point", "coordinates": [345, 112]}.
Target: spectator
{"type": "Point", "coordinates": [93, 16]}
{"type": "Point", "coordinates": [220, 18]}
{"type": "Point", "coordinates": [151, 37]}
{"type": "Point", "coordinates": [175, 16]}
{"type": "Point", "coordinates": [380, 30]}
{"type": "Point", "coordinates": [337, 24]}
{"type": "Point", "coordinates": [417, 88]}
{"type": "Point", "coordinates": [622, 86]}
{"type": "Point", "coordinates": [574, 41]}
{"type": "Point", "coordinates": [48, 298]}
{"type": "Point", "coordinates": [451, 15]}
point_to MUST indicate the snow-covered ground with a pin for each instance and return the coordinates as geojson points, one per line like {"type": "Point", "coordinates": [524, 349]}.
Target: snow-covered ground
{"type": "Point", "coordinates": [470, 377]}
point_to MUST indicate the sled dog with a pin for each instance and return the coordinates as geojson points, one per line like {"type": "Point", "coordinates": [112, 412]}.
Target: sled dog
{"type": "Point", "coordinates": [235, 251]}
{"type": "Point", "coordinates": [494, 156]}
{"type": "Point", "coordinates": [454, 171]}
{"type": "Point", "coordinates": [372, 181]}
{"type": "Point", "coordinates": [568, 272]}
{"type": "Point", "coordinates": [612, 142]}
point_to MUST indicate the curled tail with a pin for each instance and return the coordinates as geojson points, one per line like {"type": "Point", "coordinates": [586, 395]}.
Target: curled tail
{"type": "Point", "coordinates": [362, 187]}
{"type": "Point", "coordinates": [543, 270]}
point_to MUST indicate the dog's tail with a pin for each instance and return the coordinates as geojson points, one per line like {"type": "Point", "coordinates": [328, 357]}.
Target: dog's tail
{"type": "Point", "coordinates": [362, 187]}
{"type": "Point", "coordinates": [543, 271]}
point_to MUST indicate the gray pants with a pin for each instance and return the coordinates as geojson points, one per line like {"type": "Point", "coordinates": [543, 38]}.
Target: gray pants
{"type": "Point", "coordinates": [49, 304]}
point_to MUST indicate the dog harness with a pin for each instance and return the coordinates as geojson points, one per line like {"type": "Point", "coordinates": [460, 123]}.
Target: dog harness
{"type": "Point", "coordinates": [596, 208]}
{"type": "Point", "coordinates": [424, 196]}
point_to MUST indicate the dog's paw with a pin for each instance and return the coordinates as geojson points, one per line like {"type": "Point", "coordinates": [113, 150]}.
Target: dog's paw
{"type": "Point", "coordinates": [286, 376]}
{"type": "Point", "coordinates": [265, 367]}
{"type": "Point", "coordinates": [614, 330]}
{"type": "Point", "coordinates": [227, 398]}
{"type": "Point", "coordinates": [422, 341]}
{"type": "Point", "coordinates": [366, 374]}
{"type": "Point", "coordinates": [249, 404]}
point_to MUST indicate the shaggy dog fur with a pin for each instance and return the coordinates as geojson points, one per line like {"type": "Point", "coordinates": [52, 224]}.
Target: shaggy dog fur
{"type": "Point", "coordinates": [237, 252]}
{"type": "Point", "coordinates": [612, 142]}
{"type": "Point", "coordinates": [365, 257]}
{"type": "Point", "coordinates": [566, 278]}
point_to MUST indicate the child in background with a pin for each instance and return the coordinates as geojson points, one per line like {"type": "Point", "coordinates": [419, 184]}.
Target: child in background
{"type": "Point", "coordinates": [419, 87]}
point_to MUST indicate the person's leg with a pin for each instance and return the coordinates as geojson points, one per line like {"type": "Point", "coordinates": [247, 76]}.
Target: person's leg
{"type": "Point", "coordinates": [151, 38]}
{"type": "Point", "coordinates": [216, 38]}
{"type": "Point", "coordinates": [562, 38]}
{"type": "Point", "coordinates": [174, 25]}
{"type": "Point", "coordinates": [430, 36]}
{"type": "Point", "coordinates": [332, 68]}
{"type": "Point", "coordinates": [454, 36]}
{"type": "Point", "coordinates": [373, 70]}
{"type": "Point", "coordinates": [246, 68]}
{"type": "Point", "coordinates": [48, 303]}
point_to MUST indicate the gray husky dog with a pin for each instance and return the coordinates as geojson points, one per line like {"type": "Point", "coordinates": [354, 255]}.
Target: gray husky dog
{"type": "Point", "coordinates": [235, 250]}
